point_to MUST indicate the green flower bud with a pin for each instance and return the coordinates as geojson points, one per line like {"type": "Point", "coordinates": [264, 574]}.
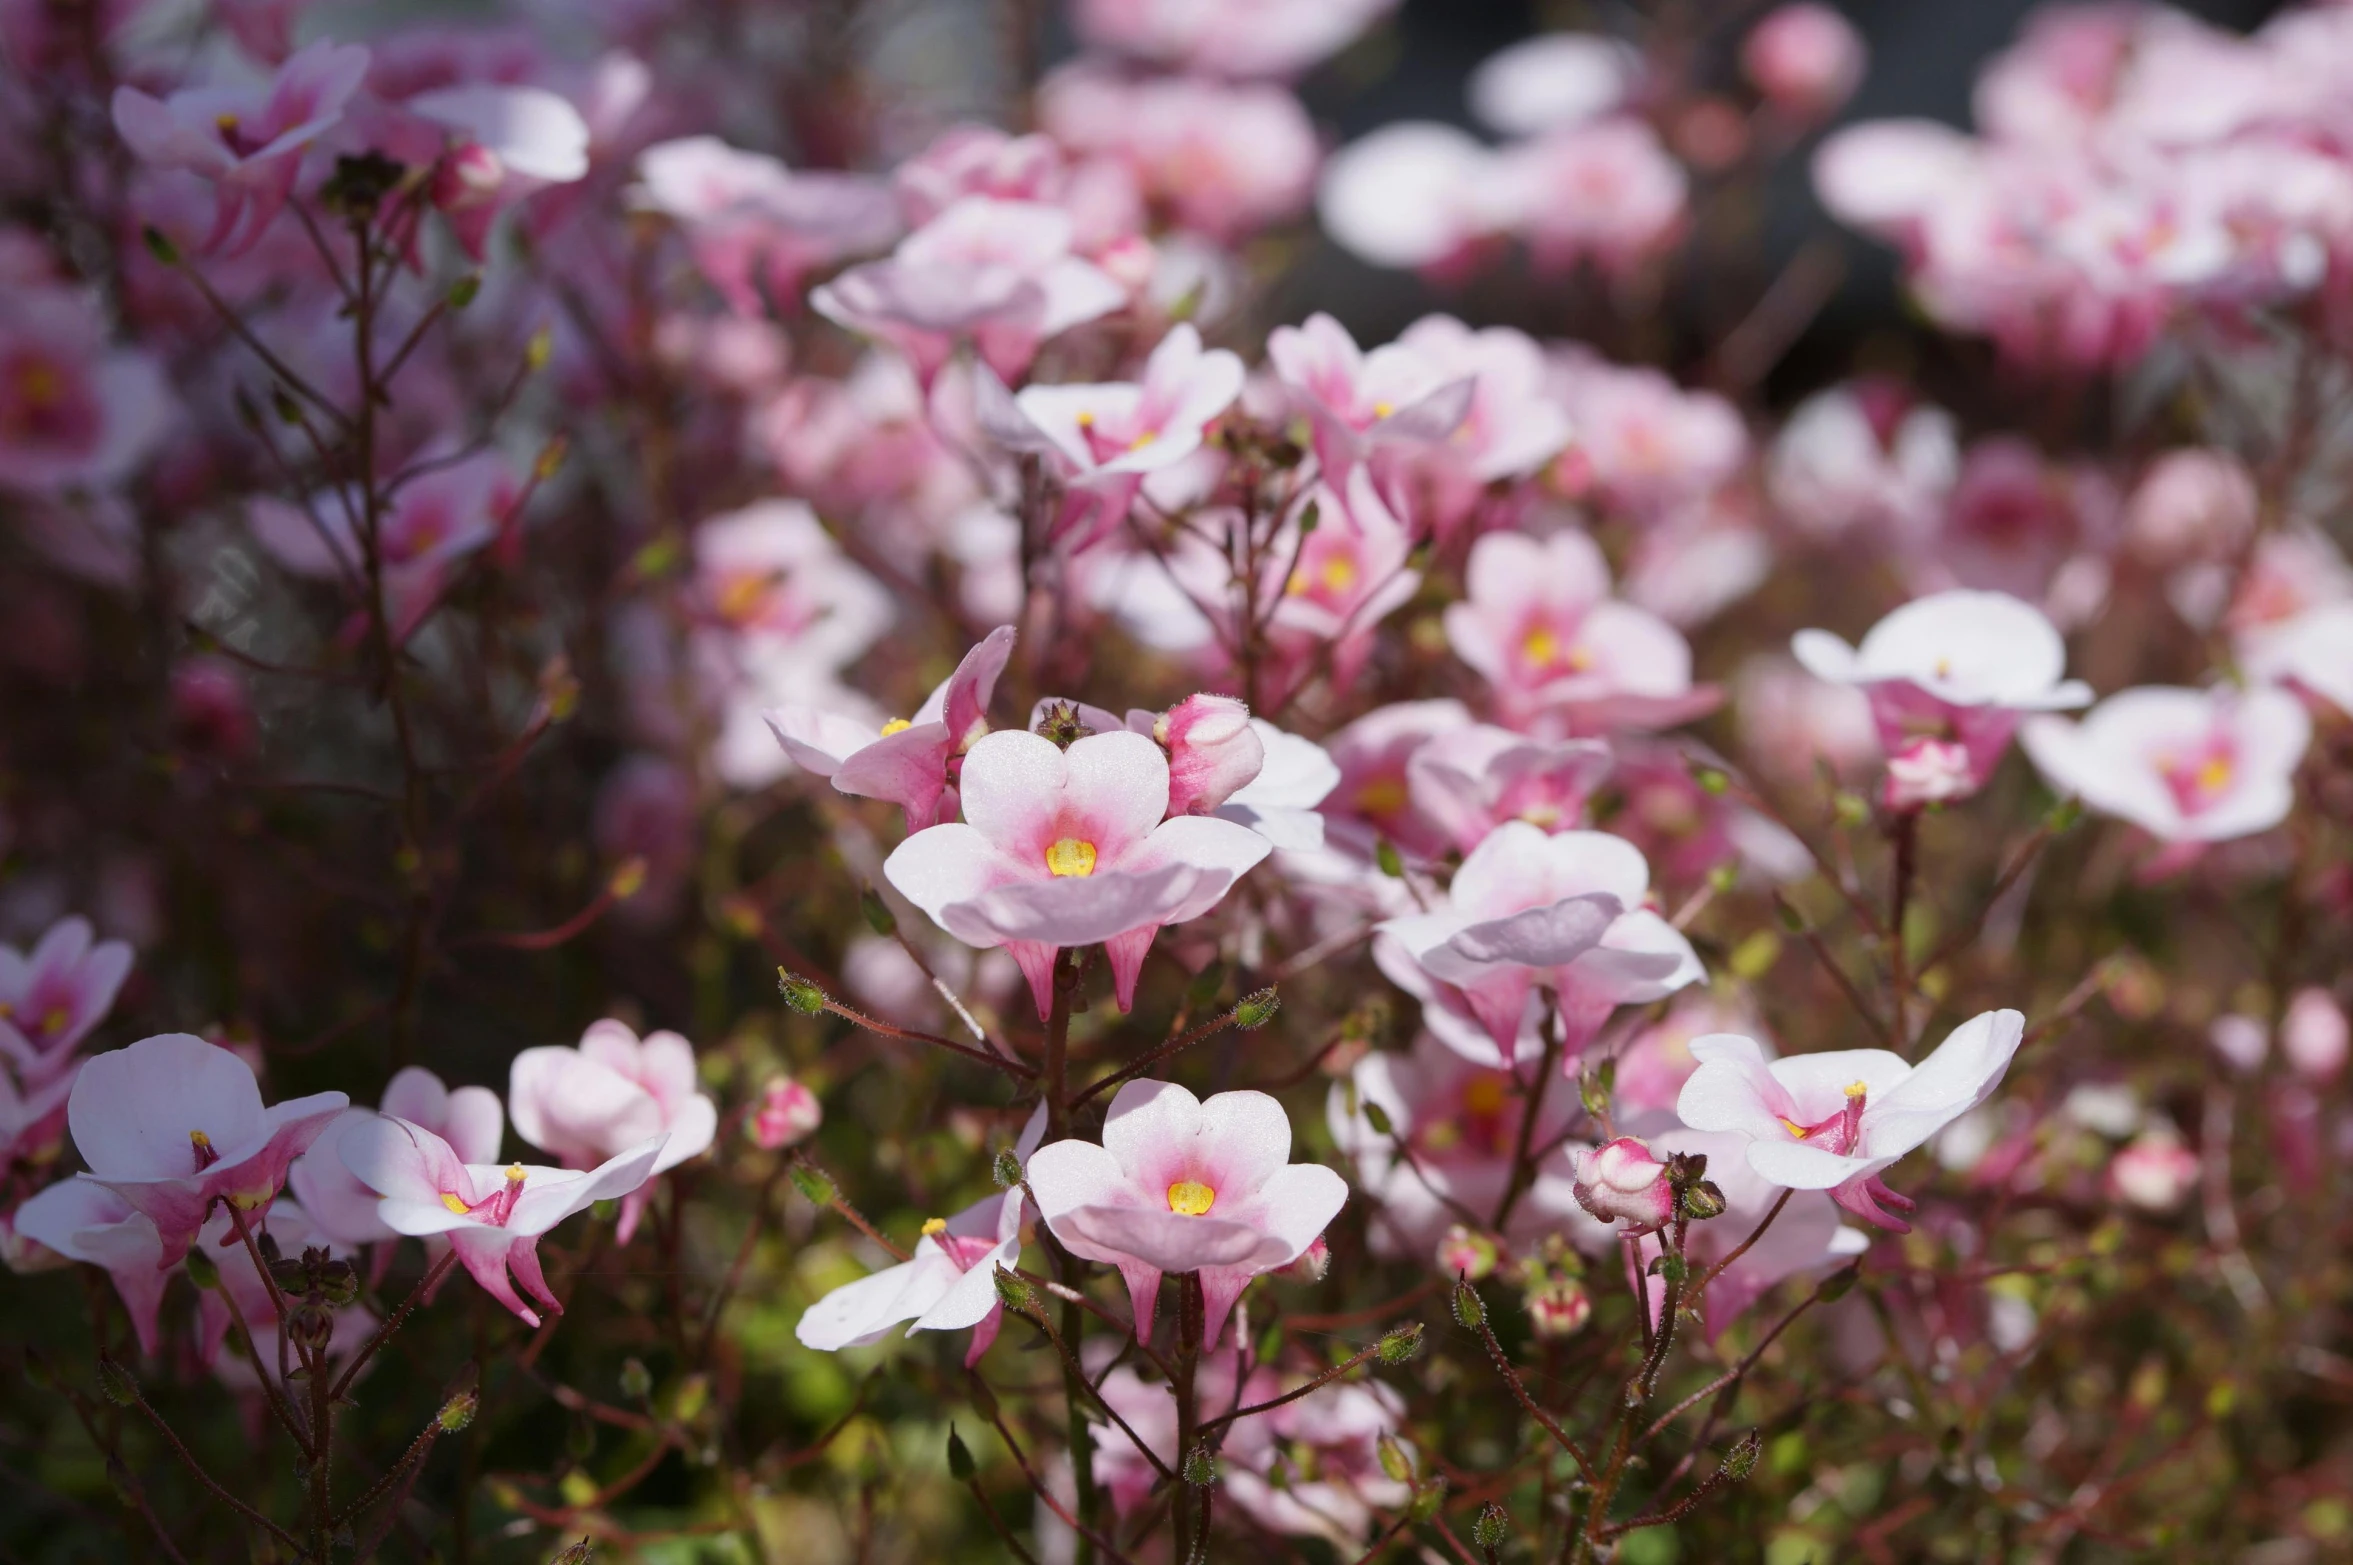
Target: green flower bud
{"type": "Point", "coordinates": [960, 1464]}
{"type": "Point", "coordinates": [1256, 1010]}
{"type": "Point", "coordinates": [802, 995]}
{"type": "Point", "coordinates": [1401, 1344]}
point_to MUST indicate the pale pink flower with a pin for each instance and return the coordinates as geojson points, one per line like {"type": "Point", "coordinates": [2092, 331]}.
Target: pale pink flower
{"type": "Point", "coordinates": [492, 1216]}
{"type": "Point", "coordinates": [757, 229]}
{"type": "Point", "coordinates": [1621, 1182]}
{"type": "Point", "coordinates": [1344, 577]}
{"type": "Point", "coordinates": [82, 1220]}
{"type": "Point", "coordinates": [1789, 720]}
{"type": "Point", "coordinates": [75, 413]}
{"type": "Point", "coordinates": [32, 1115]}
{"type": "Point", "coordinates": [262, 28]}
{"type": "Point", "coordinates": [173, 1124]}
{"type": "Point", "coordinates": [1930, 771]}
{"type": "Point", "coordinates": [1956, 668]}
{"type": "Point", "coordinates": [1863, 458]}
{"type": "Point", "coordinates": [344, 1210]}
{"type": "Point", "coordinates": [1553, 81]}
{"type": "Point", "coordinates": [1686, 831]}
{"type": "Point", "coordinates": [1418, 195]}
{"type": "Point", "coordinates": [2155, 1173]}
{"type": "Point", "coordinates": [1646, 444]}
{"type": "Point", "coordinates": [1538, 622]}
{"type": "Point", "coordinates": [52, 996]}
{"type": "Point", "coordinates": [2241, 1039]}
{"type": "Point", "coordinates": [1607, 192]}
{"type": "Point", "coordinates": [2194, 504]}
{"type": "Point", "coordinates": [2186, 766]}
{"type": "Point", "coordinates": [1458, 1124]}
{"type": "Point", "coordinates": [248, 141]}
{"type": "Point", "coordinates": [1104, 441]}
{"type": "Point", "coordinates": [1373, 798]}
{"type": "Point", "coordinates": [979, 160]}
{"type": "Point", "coordinates": [2314, 1035]}
{"type": "Point", "coordinates": [1356, 400]}
{"type": "Point", "coordinates": [910, 762]}
{"type": "Point", "coordinates": [1885, 176]}
{"type": "Point", "coordinates": [787, 1112]}
{"type": "Point", "coordinates": [1805, 58]}
{"type": "Point", "coordinates": [1002, 275]}
{"type": "Point", "coordinates": [1530, 912]}
{"type": "Point", "coordinates": [1837, 1121]}
{"type": "Point", "coordinates": [588, 1105]}
{"type": "Point", "coordinates": [2312, 653]}
{"type": "Point", "coordinates": [1069, 848]}
{"type": "Point", "coordinates": [1281, 803]}
{"type": "Point", "coordinates": [1312, 1468]}
{"type": "Point", "coordinates": [1222, 160]}
{"type": "Point", "coordinates": [1235, 38]}
{"type": "Point", "coordinates": [1214, 751]}
{"type": "Point", "coordinates": [2015, 523]}
{"type": "Point", "coordinates": [502, 144]}
{"type": "Point", "coordinates": [646, 813]}
{"type": "Point", "coordinates": [948, 1284]}
{"type": "Point", "coordinates": [770, 573]}
{"type": "Point", "coordinates": [1512, 430]}
{"type": "Point", "coordinates": [291, 1228]}
{"type": "Point", "coordinates": [1181, 1185]}
{"type": "Point", "coordinates": [1483, 776]}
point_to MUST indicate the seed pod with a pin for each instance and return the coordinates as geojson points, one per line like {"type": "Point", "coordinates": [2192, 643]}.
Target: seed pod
{"type": "Point", "coordinates": [960, 1464]}
{"type": "Point", "coordinates": [1401, 1344]}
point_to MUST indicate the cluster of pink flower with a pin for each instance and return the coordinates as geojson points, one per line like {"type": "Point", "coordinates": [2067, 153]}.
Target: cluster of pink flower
{"type": "Point", "coordinates": [2135, 167]}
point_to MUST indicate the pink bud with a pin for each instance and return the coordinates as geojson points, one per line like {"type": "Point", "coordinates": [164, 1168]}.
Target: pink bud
{"type": "Point", "coordinates": [210, 713]}
{"type": "Point", "coordinates": [2313, 1034]}
{"type": "Point", "coordinates": [1931, 771]}
{"type": "Point", "coordinates": [2155, 1173]}
{"type": "Point", "coordinates": [1311, 1265]}
{"type": "Point", "coordinates": [1622, 1181]}
{"type": "Point", "coordinates": [469, 176]}
{"type": "Point", "coordinates": [1559, 1308]}
{"type": "Point", "coordinates": [1806, 59]}
{"type": "Point", "coordinates": [1212, 752]}
{"type": "Point", "coordinates": [1463, 1253]}
{"type": "Point", "coordinates": [787, 1112]}
{"type": "Point", "coordinates": [2240, 1039]}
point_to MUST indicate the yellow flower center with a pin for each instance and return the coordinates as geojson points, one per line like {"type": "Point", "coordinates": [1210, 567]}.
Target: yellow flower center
{"type": "Point", "coordinates": [226, 124]}
{"type": "Point", "coordinates": [1792, 1126]}
{"type": "Point", "coordinates": [55, 1018]}
{"type": "Point", "coordinates": [39, 384]}
{"type": "Point", "coordinates": [1484, 1095]}
{"type": "Point", "coordinates": [1856, 1089]}
{"type": "Point", "coordinates": [740, 594]}
{"type": "Point", "coordinates": [200, 1141]}
{"type": "Point", "coordinates": [1541, 647]}
{"type": "Point", "coordinates": [1143, 440]}
{"type": "Point", "coordinates": [515, 1175]}
{"type": "Point", "coordinates": [1383, 796]}
{"type": "Point", "coordinates": [1084, 420]}
{"type": "Point", "coordinates": [933, 1227]}
{"type": "Point", "coordinates": [1069, 856]}
{"type": "Point", "coordinates": [1190, 1198]}
{"type": "Point", "coordinates": [897, 725]}
{"type": "Point", "coordinates": [2215, 775]}
{"type": "Point", "coordinates": [456, 1203]}
{"type": "Point", "coordinates": [1383, 409]}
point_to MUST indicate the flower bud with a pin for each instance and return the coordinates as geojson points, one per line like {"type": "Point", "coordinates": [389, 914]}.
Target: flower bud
{"type": "Point", "coordinates": [1469, 1312]}
{"type": "Point", "coordinates": [960, 1464]}
{"type": "Point", "coordinates": [1200, 1466]}
{"type": "Point", "coordinates": [2156, 1173]}
{"type": "Point", "coordinates": [1492, 1529]}
{"type": "Point", "coordinates": [1701, 1201]}
{"type": "Point", "coordinates": [2240, 1039]}
{"type": "Point", "coordinates": [1621, 1181]}
{"type": "Point", "coordinates": [201, 1270]}
{"type": "Point", "coordinates": [309, 1329]}
{"type": "Point", "coordinates": [637, 1382]}
{"type": "Point", "coordinates": [814, 1184]}
{"type": "Point", "coordinates": [1559, 1307]}
{"type": "Point", "coordinates": [1396, 1461]}
{"type": "Point", "coordinates": [1929, 771]}
{"type": "Point", "coordinates": [1465, 1253]}
{"type": "Point", "coordinates": [1311, 1263]}
{"type": "Point", "coordinates": [1741, 1460]}
{"type": "Point", "coordinates": [1805, 59]}
{"type": "Point", "coordinates": [1212, 752]}
{"type": "Point", "coordinates": [1256, 1009]}
{"type": "Point", "coordinates": [788, 1112]}
{"type": "Point", "coordinates": [117, 1384]}
{"type": "Point", "coordinates": [1402, 1343]}
{"type": "Point", "coordinates": [2313, 1035]}
{"type": "Point", "coordinates": [1428, 1499]}
{"type": "Point", "coordinates": [1014, 1292]}
{"type": "Point", "coordinates": [458, 1411]}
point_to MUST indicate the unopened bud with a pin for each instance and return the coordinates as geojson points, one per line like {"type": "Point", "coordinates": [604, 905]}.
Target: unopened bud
{"type": "Point", "coordinates": [116, 1383]}
{"type": "Point", "coordinates": [202, 1271]}
{"type": "Point", "coordinates": [1309, 518]}
{"type": "Point", "coordinates": [1428, 1499]}
{"type": "Point", "coordinates": [1378, 1117]}
{"type": "Point", "coordinates": [310, 1328]}
{"type": "Point", "coordinates": [1200, 1466]}
{"type": "Point", "coordinates": [1741, 1460]}
{"type": "Point", "coordinates": [581, 1553]}
{"type": "Point", "coordinates": [1559, 1307]}
{"type": "Point", "coordinates": [463, 291]}
{"type": "Point", "coordinates": [1401, 1344]}
{"type": "Point", "coordinates": [802, 995]}
{"type": "Point", "coordinates": [1256, 1010]}
{"type": "Point", "coordinates": [1008, 1168]}
{"type": "Point", "coordinates": [1463, 1252]}
{"type": "Point", "coordinates": [1701, 1201]}
{"type": "Point", "coordinates": [879, 916]}
{"type": "Point", "coordinates": [1014, 1292]}
{"type": "Point", "coordinates": [960, 1464]}
{"type": "Point", "coordinates": [814, 1184]}
{"type": "Point", "coordinates": [1396, 1461]}
{"type": "Point", "coordinates": [1310, 1265]}
{"type": "Point", "coordinates": [159, 245]}
{"type": "Point", "coordinates": [787, 1112]}
{"type": "Point", "coordinates": [1469, 1311]}
{"type": "Point", "coordinates": [1492, 1529]}
{"type": "Point", "coordinates": [458, 1411]}
{"type": "Point", "coordinates": [637, 1382]}
{"type": "Point", "coordinates": [1385, 855]}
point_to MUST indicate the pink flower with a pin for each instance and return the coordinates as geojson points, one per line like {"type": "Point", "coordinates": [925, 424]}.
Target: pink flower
{"type": "Point", "coordinates": [1180, 1185]}
{"type": "Point", "coordinates": [75, 413]}
{"type": "Point", "coordinates": [1235, 38]}
{"type": "Point", "coordinates": [492, 1216]}
{"type": "Point", "coordinates": [1312, 1468]}
{"type": "Point", "coordinates": [1553, 81]}
{"type": "Point", "coordinates": [1213, 750]}
{"type": "Point", "coordinates": [1647, 445]}
{"type": "Point", "coordinates": [757, 229]}
{"type": "Point", "coordinates": [1529, 911]}
{"type": "Point", "coordinates": [1537, 620]}
{"type": "Point", "coordinates": [291, 1229]}
{"type": "Point", "coordinates": [588, 1105]}
{"type": "Point", "coordinates": [343, 1209]}
{"type": "Point", "coordinates": [1619, 1181]}
{"type": "Point", "coordinates": [1606, 192]}
{"type": "Point", "coordinates": [1000, 274]}
{"type": "Point", "coordinates": [1789, 720]}
{"type": "Point", "coordinates": [1807, 1237]}
{"type": "Point", "coordinates": [1280, 802]}
{"type": "Point", "coordinates": [1805, 58]}
{"type": "Point", "coordinates": [2312, 653]}
{"type": "Point", "coordinates": [2155, 1173]}
{"type": "Point", "coordinates": [949, 1284]}
{"type": "Point", "coordinates": [1069, 848]}
{"type": "Point", "coordinates": [51, 997]}
{"type": "Point", "coordinates": [1513, 429]}
{"type": "Point", "coordinates": [1346, 576]}
{"type": "Point", "coordinates": [1885, 176]}
{"type": "Point", "coordinates": [1483, 776]}
{"type": "Point", "coordinates": [1373, 799]}
{"type": "Point", "coordinates": [82, 1220]}
{"type": "Point", "coordinates": [32, 1116]}
{"type": "Point", "coordinates": [1863, 459]}
{"type": "Point", "coordinates": [503, 143]}
{"type": "Point", "coordinates": [1418, 195]}
{"type": "Point", "coordinates": [2185, 766]}
{"type": "Point", "coordinates": [173, 1124]}
{"type": "Point", "coordinates": [248, 142]}
{"type": "Point", "coordinates": [979, 160]}
{"type": "Point", "coordinates": [2313, 1034]}
{"type": "Point", "coordinates": [1357, 400]}
{"type": "Point", "coordinates": [1103, 441]}
{"type": "Point", "coordinates": [911, 763]}
{"type": "Point", "coordinates": [787, 1112]}
{"type": "Point", "coordinates": [1957, 668]}
{"type": "Point", "coordinates": [1836, 1121]}
{"type": "Point", "coordinates": [2191, 505]}
{"type": "Point", "coordinates": [1223, 160]}
{"type": "Point", "coordinates": [1458, 1124]}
